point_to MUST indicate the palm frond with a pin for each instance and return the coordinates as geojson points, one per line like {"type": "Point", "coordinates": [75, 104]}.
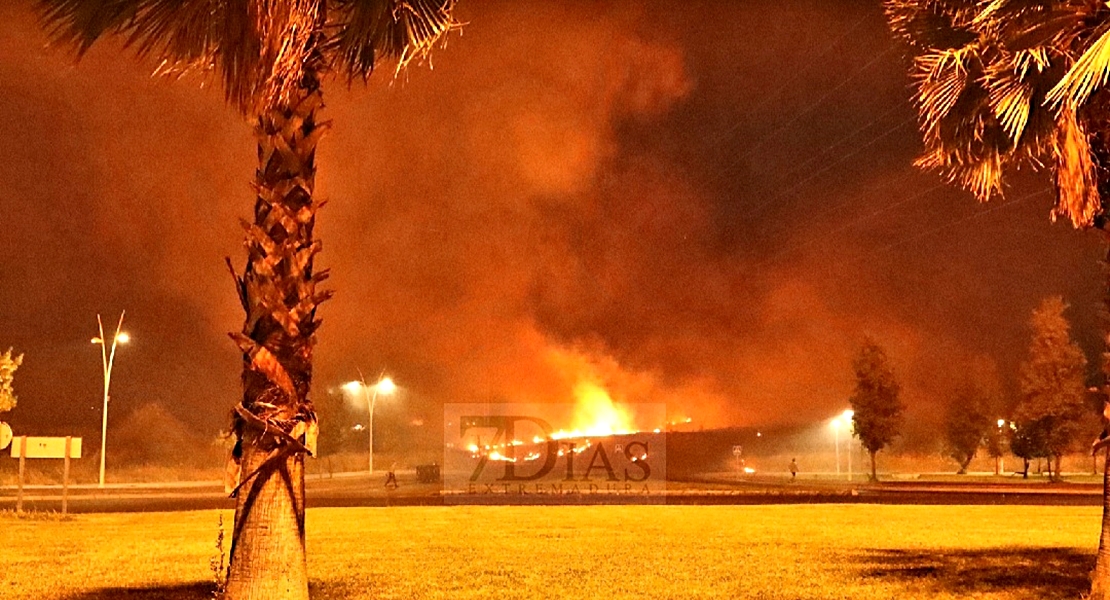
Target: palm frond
{"type": "Point", "coordinates": [1011, 100]}
{"type": "Point", "coordinates": [931, 24]}
{"type": "Point", "coordinates": [260, 48]}
{"type": "Point", "coordinates": [1077, 196]}
{"type": "Point", "coordinates": [290, 38]}
{"type": "Point", "coordinates": [942, 77]}
{"type": "Point", "coordinates": [367, 31]}
{"type": "Point", "coordinates": [1086, 76]}
{"type": "Point", "coordinates": [1013, 81]}
{"type": "Point", "coordinates": [1027, 24]}
{"type": "Point", "coordinates": [976, 169]}
{"type": "Point", "coordinates": [80, 23]}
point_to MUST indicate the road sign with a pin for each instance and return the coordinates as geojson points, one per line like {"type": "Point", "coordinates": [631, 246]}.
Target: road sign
{"type": "Point", "coordinates": [737, 450]}
{"type": "Point", "coordinates": [48, 447]}
{"type": "Point", "coordinates": [5, 435]}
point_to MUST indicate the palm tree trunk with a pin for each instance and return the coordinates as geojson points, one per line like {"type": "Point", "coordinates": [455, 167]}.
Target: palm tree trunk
{"type": "Point", "coordinates": [874, 474]}
{"type": "Point", "coordinates": [275, 423]}
{"type": "Point", "coordinates": [1100, 577]}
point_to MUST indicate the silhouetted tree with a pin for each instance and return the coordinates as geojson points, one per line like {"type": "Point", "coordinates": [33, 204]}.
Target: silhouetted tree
{"type": "Point", "coordinates": [151, 436]}
{"type": "Point", "coordinates": [966, 424]}
{"type": "Point", "coordinates": [272, 57]}
{"type": "Point", "coordinates": [877, 409]}
{"type": "Point", "coordinates": [1053, 393]}
{"type": "Point", "coordinates": [1027, 442]}
{"type": "Point", "coordinates": [335, 426]}
{"type": "Point", "coordinates": [8, 365]}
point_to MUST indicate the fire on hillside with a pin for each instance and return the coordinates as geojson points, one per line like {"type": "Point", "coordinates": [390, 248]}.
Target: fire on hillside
{"type": "Point", "coordinates": [554, 452]}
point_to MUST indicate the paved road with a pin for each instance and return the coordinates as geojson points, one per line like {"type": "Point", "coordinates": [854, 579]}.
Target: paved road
{"type": "Point", "coordinates": [356, 490]}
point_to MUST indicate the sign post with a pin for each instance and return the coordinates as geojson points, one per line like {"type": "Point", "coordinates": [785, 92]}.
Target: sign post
{"type": "Point", "coordinates": [64, 448]}
{"type": "Point", "coordinates": [22, 468]}
{"type": "Point", "coordinates": [65, 476]}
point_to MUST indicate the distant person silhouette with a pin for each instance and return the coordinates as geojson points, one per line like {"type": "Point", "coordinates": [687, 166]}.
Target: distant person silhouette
{"type": "Point", "coordinates": [793, 469]}
{"type": "Point", "coordinates": [391, 478]}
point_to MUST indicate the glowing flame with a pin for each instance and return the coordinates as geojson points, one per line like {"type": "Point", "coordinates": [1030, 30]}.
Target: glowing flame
{"type": "Point", "coordinates": [495, 455]}
{"type": "Point", "coordinates": [596, 415]}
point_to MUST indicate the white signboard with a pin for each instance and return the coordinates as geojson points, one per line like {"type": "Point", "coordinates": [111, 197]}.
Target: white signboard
{"type": "Point", "coordinates": [5, 435]}
{"type": "Point", "coordinates": [47, 447]}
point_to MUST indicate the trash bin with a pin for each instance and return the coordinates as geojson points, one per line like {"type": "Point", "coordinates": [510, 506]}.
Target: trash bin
{"type": "Point", "coordinates": [427, 473]}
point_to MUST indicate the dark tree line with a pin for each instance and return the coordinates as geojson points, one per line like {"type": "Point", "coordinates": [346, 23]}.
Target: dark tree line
{"type": "Point", "coordinates": [1053, 414]}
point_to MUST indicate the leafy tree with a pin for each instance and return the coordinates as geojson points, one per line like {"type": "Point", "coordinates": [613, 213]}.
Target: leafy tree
{"type": "Point", "coordinates": [1053, 394]}
{"type": "Point", "coordinates": [877, 410]}
{"type": "Point", "coordinates": [1028, 441]}
{"type": "Point", "coordinates": [335, 426]}
{"type": "Point", "coordinates": [272, 57]}
{"type": "Point", "coordinates": [151, 435]}
{"type": "Point", "coordinates": [995, 441]}
{"type": "Point", "coordinates": [1006, 84]}
{"type": "Point", "coordinates": [8, 365]}
{"type": "Point", "coordinates": [966, 424]}
{"type": "Point", "coordinates": [969, 419]}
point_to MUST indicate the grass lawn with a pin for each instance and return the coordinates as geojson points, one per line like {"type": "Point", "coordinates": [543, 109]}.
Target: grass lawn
{"type": "Point", "coordinates": [806, 552]}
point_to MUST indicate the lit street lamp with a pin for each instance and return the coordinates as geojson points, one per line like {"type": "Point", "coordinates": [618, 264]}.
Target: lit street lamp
{"type": "Point", "coordinates": [107, 359]}
{"type": "Point", "coordinates": [847, 416]}
{"type": "Point", "coordinates": [385, 387]}
{"type": "Point", "coordinates": [999, 466]}
{"type": "Point", "coordinates": [845, 419]}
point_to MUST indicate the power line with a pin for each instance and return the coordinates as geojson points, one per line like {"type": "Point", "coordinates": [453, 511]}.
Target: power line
{"type": "Point", "coordinates": [802, 168]}
{"type": "Point", "coordinates": [849, 225]}
{"type": "Point", "coordinates": [759, 207]}
{"type": "Point", "coordinates": [798, 115]}
{"type": "Point", "coordinates": [814, 61]}
{"type": "Point", "coordinates": [976, 215]}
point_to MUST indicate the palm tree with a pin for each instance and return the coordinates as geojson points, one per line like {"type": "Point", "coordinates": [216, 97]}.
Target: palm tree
{"type": "Point", "coordinates": [1006, 84]}
{"type": "Point", "coordinates": [271, 56]}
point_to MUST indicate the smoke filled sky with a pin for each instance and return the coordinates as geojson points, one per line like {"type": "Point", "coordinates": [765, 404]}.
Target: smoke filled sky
{"type": "Point", "coordinates": [707, 204]}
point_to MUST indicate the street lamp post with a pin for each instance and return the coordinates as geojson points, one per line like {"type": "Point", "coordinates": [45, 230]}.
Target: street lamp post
{"type": "Point", "coordinates": [107, 359]}
{"type": "Point", "coordinates": [384, 386]}
{"type": "Point", "coordinates": [847, 416]}
{"type": "Point", "coordinates": [999, 464]}
{"type": "Point", "coordinates": [836, 444]}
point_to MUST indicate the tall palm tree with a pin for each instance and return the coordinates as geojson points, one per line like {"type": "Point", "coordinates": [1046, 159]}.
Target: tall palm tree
{"type": "Point", "coordinates": [1006, 84]}
{"type": "Point", "coordinates": [271, 56]}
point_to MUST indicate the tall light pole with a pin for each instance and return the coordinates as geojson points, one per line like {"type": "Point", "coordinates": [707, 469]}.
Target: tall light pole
{"type": "Point", "coordinates": [836, 443]}
{"type": "Point", "coordinates": [107, 359]}
{"type": "Point", "coordinates": [385, 387]}
{"type": "Point", "coordinates": [847, 416]}
{"type": "Point", "coordinates": [999, 465]}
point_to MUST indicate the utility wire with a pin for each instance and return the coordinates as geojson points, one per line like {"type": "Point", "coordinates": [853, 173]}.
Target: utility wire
{"type": "Point", "coordinates": [975, 215]}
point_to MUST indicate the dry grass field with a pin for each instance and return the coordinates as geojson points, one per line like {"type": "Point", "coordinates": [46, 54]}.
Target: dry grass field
{"type": "Point", "coordinates": [859, 552]}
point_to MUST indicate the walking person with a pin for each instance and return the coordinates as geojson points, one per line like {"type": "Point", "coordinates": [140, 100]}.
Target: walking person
{"type": "Point", "coordinates": [391, 478]}
{"type": "Point", "coordinates": [793, 469]}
